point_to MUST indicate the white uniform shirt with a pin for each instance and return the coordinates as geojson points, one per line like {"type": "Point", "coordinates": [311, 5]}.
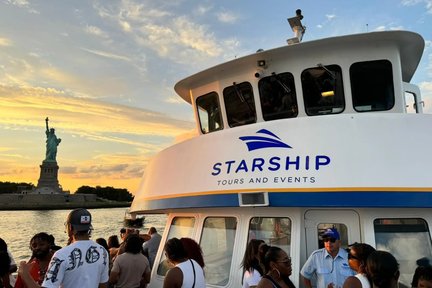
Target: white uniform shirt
{"type": "Point", "coordinates": [83, 263]}
{"type": "Point", "coordinates": [327, 269]}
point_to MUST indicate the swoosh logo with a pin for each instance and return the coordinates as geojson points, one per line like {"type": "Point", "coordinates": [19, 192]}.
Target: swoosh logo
{"type": "Point", "coordinates": [263, 139]}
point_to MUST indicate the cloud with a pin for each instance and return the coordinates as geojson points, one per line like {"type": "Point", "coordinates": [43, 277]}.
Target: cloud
{"type": "Point", "coordinates": [196, 37]}
{"type": "Point", "coordinates": [174, 36]}
{"type": "Point", "coordinates": [329, 19]}
{"type": "Point", "coordinates": [96, 120]}
{"type": "Point", "coordinates": [125, 26]}
{"type": "Point", "coordinates": [426, 89]}
{"type": "Point", "coordinates": [113, 166]}
{"type": "Point", "coordinates": [227, 17]}
{"type": "Point", "coordinates": [388, 27]}
{"type": "Point", "coordinates": [202, 10]}
{"type": "Point", "coordinates": [19, 3]}
{"type": "Point", "coordinates": [23, 4]}
{"type": "Point", "coordinates": [427, 3]}
{"type": "Point", "coordinates": [34, 69]}
{"type": "Point", "coordinates": [400, 27]}
{"type": "Point", "coordinates": [380, 28]}
{"type": "Point", "coordinates": [428, 46]}
{"type": "Point", "coordinates": [108, 55]}
{"type": "Point", "coordinates": [5, 42]}
{"type": "Point", "coordinates": [68, 170]}
{"type": "Point", "coordinates": [16, 156]}
{"type": "Point", "coordinates": [174, 100]}
{"type": "Point", "coordinates": [93, 30]}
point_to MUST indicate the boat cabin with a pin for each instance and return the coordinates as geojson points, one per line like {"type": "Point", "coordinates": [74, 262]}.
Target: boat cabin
{"type": "Point", "coordinates": [350, 74]}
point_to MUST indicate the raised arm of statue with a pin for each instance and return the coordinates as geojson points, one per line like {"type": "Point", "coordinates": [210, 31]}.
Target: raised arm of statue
{"type": "Point", "coordinates": [46, 122]}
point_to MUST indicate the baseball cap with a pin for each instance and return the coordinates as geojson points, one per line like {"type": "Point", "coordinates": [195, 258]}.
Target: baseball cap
{"type": "Point", "coordinates": [80, 219]}
{"type": "Point", "coordinates": [331, 233]}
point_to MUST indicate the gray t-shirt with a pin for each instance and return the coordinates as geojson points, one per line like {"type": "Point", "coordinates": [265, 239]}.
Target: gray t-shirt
{"type": "Point", "coordinates": [131, 268]}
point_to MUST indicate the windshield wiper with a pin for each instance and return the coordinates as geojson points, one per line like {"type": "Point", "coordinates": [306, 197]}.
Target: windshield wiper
{"type": "Point", "coordinates": [241, 97]}
{"type": "Point", "coordinates": [283, 85]}
{"type": "Point", "coordinates": [332, 75]}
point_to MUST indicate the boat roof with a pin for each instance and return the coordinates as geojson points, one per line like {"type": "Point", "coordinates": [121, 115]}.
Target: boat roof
{"type": "Point", "coordinates": [410, 45]}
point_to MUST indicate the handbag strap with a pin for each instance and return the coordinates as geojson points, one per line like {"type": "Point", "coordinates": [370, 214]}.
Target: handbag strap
{"type": "Point", "coordinates": [193, 269]}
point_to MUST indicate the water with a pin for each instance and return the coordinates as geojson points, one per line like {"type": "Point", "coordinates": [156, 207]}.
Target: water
{"type": "Point", "coordinates": [18, 227]}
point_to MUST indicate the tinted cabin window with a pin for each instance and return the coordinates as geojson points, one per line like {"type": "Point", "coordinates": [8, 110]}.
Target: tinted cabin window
{"type": "Point", "coordinates": [278, 96]}
{"type": "Point", "coordinates": [239, 104]}
{"type": "Point", "coordinates": [410, 103]}
{"type": "Point", "coordinates": [372, 86]}
{"type": "Point", "coordinates": [408, 239]}
{"type": "Point", "coordinates": [217, 243]}
{"type": "Point", "coordinates": [274, 231]}
{"type": "Point", "coordinates": [180, 227]}
{"type": "Point", "coordinates": [323, 90]}
{"type": "Point", "coordinates": [209, 112]}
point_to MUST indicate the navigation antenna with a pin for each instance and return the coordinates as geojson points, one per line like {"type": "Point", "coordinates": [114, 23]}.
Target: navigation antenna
{"type": "Point", "coordinates": [297, 28]}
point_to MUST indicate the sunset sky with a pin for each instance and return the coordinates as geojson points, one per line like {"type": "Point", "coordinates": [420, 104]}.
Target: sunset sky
{"type": "Point", "coordinates": [103, 72]}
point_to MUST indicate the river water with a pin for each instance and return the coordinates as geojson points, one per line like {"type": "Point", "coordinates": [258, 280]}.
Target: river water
{"type": "Point", "coordinates": [18, 227]}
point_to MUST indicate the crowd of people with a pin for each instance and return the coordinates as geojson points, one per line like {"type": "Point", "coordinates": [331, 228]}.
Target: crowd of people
{"type": "Point", "coordinates": [83, 262]}
{"type": "Point", "coordinates": [128, 262]}
{"type": "Point", "coordinates": [119, 263]}
{"type": "Point", "coordinates": [359, 266]}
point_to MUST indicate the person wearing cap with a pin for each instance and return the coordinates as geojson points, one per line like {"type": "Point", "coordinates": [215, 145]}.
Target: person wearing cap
{"type": "Point", "coordinates": [83, 263]}
{"type": "Point", "coordinates": [329, 265]}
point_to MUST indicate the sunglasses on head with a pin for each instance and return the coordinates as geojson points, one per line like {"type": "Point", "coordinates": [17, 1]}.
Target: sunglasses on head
{"type": "Point", "coordinates": [331, 239]}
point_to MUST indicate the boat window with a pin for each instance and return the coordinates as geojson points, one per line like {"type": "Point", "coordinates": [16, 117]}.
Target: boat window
{"type": "Point", "coordinates": [410, 103]}
{"type": "Point", "coordinates": [341, 228]}
{"type": "Point", "coordinates": [323, 90]}
{"type": "Point", "coordinates": [408, 239]}
{"type": "Point", "coordinates": [372, 85]}
{"type": "Point", "coordinates": [278, 96]}
{"type": "Point", "coordinates": [275, 231]}
{"type": "Point", "coordinates": [217, 242]}
{"type": "Point", "coordinates": [239, 104]}
{"type": "Point", "coordinates": [180, 227]}
{"type": "Point", "coordinates": [209, 112]}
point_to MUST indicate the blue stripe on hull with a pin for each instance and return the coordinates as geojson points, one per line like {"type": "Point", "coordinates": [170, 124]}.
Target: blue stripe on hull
{"type": "Point", "coordinates": [302, 199]}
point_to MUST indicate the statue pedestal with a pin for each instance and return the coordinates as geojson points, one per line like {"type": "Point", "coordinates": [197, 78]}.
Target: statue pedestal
{"type": "Point", "coordinates": [48, 181]}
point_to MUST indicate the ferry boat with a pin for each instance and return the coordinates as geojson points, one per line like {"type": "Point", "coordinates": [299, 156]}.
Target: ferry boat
{"type": "Point", "coordinates": [296, 139]}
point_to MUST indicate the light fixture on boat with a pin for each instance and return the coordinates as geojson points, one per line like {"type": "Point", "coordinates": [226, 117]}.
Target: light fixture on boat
{"type": "Point", "coordinates": [297, 28]}
{"type": "Point", "coordinates": [253, 199]}
{"type": "Point", "coordinates": [262, 63]}
{"type": "Point", "coordinates": [327, 93]}
{"type": "Point", "coordinates": [259, 73]}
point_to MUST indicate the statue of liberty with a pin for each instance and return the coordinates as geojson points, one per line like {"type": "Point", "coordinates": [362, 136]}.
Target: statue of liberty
{"type": "Point", "coordinates": [51, 143]}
